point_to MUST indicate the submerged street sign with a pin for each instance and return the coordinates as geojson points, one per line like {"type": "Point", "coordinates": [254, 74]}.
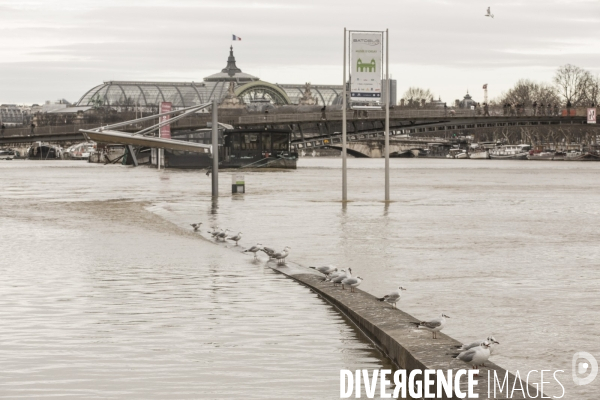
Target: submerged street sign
{"type": "Point", "coordinates": [165, 130]}
{"type": "Point", "coordinates": [366, 66]}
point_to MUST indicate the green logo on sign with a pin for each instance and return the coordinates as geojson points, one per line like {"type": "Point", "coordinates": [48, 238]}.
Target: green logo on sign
{"type": "Point", "coordinates": [360, 66]}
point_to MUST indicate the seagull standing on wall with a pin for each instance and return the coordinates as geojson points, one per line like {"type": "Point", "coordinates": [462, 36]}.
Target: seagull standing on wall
{"type": "Point", "coordinates": [489, 13]}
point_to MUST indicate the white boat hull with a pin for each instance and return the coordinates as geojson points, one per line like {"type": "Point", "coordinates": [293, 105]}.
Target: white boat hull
{"type": "Point", "coordinates": [480, 155]}
{"type": "Point", "coordinates": [520, 156]}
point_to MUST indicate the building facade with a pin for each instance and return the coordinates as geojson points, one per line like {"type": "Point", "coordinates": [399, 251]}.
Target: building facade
{"type": "Point", "coordinates": [250, 89]}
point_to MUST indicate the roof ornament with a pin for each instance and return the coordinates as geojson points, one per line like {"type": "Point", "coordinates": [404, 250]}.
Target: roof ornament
{"type": "Point", "coordinates": [231, 69]}
{"type": "Point", "coordinates": [231, 100]}
{"type": "Point", "coordinates": [307, 98]}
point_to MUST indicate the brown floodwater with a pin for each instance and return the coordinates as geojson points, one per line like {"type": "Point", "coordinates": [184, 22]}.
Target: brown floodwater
{"type": "Point", "coordinates": [106, 292]}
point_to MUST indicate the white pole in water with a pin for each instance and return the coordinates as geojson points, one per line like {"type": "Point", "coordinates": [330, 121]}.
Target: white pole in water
{"type": "Point", "coordinates": [215, 150]}
{"type": "Point", "coordinates": [158, 150]}
{"type": "Point", "coordinates": [344, 177]}
{"type": "Point", "coordinates": [387, 116]}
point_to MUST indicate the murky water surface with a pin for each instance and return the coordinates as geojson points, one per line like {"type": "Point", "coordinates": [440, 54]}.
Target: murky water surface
{"type": "Point", "coordinates": [106, 292]}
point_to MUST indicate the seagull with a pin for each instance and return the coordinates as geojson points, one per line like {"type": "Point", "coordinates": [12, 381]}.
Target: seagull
{"type": "Point", "coordinates": [338, 279]}
{"type": "Point", "coordinates": [215, 231]}
{"type": "Point", "coordinates": [489, 13]}
{"type": "Point", "coordinates": [490, 339]}
{"type": "Point", "coordinates": [392, 297]}
{"type": "Point", "coordinates": [434, 326]}
{"type": "Point", "coordinates": [236, 238]}
{"type": "Point", "coordinates": [326, 269]}
{"type": "Point", "coordinates": [222, 235]}
{"type": "Point", "coordinates": [254, 249]}
{"type": "Point", "coordinates": [352, 282]}
{"type": "Point", "coordinates": [280, 257]}
{"type": "Point", "coordinates": [334, 275]}
{"type": "Point", "coordinates": [268, 251]}
{"type": "Point", "coordinates": [478, 355]}
{"type": "Point", "coordinates": [196, 226]}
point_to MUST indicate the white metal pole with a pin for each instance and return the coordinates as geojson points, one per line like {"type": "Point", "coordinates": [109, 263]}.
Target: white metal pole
{"type": "Point", "coordinates": [215, 150]}
{"type": "Point", "coordinates": [387, 116]}
{"type": "Point", "coordinates": [158, 151]}
{"type": "Point", "coordinates": [344, 176]}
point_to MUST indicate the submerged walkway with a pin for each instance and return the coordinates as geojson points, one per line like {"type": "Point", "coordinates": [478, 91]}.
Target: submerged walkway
{"type": "Point", "coordinates": [408, 347]}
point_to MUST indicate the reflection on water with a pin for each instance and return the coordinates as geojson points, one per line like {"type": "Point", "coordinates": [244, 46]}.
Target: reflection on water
{"type": "Point", "coordinates": [105, 298]}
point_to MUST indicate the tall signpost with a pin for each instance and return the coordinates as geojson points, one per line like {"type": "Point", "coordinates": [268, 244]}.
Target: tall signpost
{"type": "Point", "coordinates": [365, 82]}
{"type": "Point", "coordinates": [344, 175]}
{"type": "Point", "coordinates": [387, 117]}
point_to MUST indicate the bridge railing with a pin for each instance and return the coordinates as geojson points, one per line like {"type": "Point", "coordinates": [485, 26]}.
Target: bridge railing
{"type": "Point", "coordinates": [353, 115]}
{"type": "Point", "coordinates": [192, 122]}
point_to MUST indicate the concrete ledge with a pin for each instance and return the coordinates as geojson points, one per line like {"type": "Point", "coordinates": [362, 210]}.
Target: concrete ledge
{"type": "Point", "coordinates": [390, 329]}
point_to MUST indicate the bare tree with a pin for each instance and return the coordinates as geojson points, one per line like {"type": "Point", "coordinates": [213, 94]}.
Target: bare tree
{"type": "Point", "coordinates": [526, 92]}
{"type": "Point", "coordinates": [546, 94]}
{"type": "Point", "coordinates": [414, 95]}
{"type": "Point", "coordinates": [571, 82]}
{"type": "Point", "coordinates": [593, 91]}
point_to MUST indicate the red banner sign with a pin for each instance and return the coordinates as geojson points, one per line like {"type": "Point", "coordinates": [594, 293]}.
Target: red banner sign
{"type": "Point", "coordinates": [165, 131]}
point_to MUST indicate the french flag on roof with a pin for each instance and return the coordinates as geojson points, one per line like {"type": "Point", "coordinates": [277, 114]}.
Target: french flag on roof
{"type": "Point", "coordinates": [236, 38]}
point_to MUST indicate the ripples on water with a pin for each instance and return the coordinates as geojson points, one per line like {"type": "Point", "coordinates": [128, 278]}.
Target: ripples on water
{"type": "Point", "coordinates": [105, 299]}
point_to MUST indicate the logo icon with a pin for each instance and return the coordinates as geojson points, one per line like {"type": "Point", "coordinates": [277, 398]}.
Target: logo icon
{"type": "Point", "coordinates": [361, 66]}
{"type": "Point", "coordinates": [580, 368]}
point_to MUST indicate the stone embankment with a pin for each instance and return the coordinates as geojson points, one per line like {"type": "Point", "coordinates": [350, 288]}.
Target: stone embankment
{"type": "Point", "coordinates": [392, 332]}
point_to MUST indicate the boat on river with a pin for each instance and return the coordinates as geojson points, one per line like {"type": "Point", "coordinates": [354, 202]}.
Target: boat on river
{"type": "Point", "coordinates": [8, 154]}
{"type": "Point", "coordinates": [582, 156]}
{"type": "Point", "coordinates": [480, 154]}
{"type": "Point", "coordinates": [238, 148]}
{"type": "Point", "coordinates": [44, 151]}
{"type": "Point", "coordinates": [457, 153]}
{"type": "Point", "coordinates": [510, 152]}
{"type": "Point", "coordinates": [547, 156]}
{"type": "Point", "coordinates": [80, 151]}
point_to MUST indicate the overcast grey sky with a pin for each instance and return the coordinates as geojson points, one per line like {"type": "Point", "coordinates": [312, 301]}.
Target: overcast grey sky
{"type": "Point", "coordinates": [53, 49]}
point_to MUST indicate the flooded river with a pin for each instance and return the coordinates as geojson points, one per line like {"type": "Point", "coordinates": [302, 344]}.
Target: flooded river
{"type": "Point", "coordinates": [107, 293]}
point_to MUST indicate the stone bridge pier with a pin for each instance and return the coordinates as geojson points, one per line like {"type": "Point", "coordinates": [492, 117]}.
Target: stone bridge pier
{"type": "Point", "coordinates": [375, 148]}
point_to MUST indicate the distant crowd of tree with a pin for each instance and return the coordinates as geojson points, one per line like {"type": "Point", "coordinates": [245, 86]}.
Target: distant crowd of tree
{"type": "Point", "coordinates": [570, 84]}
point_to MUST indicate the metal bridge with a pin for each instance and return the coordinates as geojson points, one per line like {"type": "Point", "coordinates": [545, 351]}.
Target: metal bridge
{"type": "Point", "coordinates": [316, 129]}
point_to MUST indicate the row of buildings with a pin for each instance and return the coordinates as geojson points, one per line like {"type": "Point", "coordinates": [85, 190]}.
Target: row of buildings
{"type": "Point", "coordinates": [231, 87]}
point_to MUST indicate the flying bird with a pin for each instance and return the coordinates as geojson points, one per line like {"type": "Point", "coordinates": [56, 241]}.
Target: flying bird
{"type": "Point", "coordinates": [196, 226]}
{"type": "Point", "coordinates": [434, 325]}
{"type": "Point", "coordinates": [489, 13]}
